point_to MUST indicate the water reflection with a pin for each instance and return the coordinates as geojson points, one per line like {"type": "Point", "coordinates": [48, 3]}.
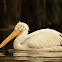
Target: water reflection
{"type": "Point", "coordinates": [21, 55]}
{"type": "Point", "coordinates": [31, 56]}
{"type": "Point", "coordinates": [2, 54]}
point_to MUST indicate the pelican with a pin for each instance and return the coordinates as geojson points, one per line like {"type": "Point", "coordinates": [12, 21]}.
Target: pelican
{"type": "Point", "coordinates": [43, 38]}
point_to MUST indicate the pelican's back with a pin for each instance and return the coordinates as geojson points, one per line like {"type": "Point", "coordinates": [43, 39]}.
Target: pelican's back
{"type": "Point", "coordinates": [44, 38]}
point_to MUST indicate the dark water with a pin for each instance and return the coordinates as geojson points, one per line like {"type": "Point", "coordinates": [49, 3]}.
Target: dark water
{"type": "Point", "coordinates": [12, 55]}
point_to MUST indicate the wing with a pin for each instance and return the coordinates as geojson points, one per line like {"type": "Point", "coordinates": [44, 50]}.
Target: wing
{"type": "Point", "coordinates": [43, 38]}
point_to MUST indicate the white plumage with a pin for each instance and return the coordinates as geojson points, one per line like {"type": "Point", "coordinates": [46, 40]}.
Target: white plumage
{"type": "Point", "coordinates": [43, 38]}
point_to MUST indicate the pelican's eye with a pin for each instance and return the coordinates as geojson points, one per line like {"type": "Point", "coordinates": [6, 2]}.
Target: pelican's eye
{"type": "Point", "coordinates": [18, 27]}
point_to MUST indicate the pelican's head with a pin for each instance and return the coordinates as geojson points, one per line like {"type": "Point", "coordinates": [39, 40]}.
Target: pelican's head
{"type": "Point", "coordinates": [19, 28]}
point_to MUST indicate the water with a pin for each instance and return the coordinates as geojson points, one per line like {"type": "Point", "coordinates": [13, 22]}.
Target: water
{"type": "Point", "coordinates": [12, 55]}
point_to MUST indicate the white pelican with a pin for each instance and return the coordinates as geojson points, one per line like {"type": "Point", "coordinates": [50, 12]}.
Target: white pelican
{"type": "Point", "coordinates": [43, 38]}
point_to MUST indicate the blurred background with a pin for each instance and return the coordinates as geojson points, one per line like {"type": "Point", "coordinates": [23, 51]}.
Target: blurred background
{"type": "Point", "coordinates": [38, 14]}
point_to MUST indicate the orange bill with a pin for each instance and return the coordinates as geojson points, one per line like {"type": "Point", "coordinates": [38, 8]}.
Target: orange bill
{"type": "Point", "coordinates": [10, 37]}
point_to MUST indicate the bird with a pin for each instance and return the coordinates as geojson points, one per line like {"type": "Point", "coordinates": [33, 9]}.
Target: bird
{"type": "Point", "coordinates": [40, 39]}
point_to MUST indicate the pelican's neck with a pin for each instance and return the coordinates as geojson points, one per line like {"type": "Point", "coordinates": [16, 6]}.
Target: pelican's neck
{"type": "Point", "coordinates": [20, 39]}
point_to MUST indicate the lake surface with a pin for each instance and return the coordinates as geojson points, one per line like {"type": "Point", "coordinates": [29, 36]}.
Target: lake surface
{"type": "Point", "coordinates": [12, 55]}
